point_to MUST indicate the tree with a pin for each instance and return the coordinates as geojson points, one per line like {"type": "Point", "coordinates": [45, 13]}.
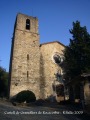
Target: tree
{"type": "Point", "coordinates": [77, 53]}
{"type": "Point", "coordinates": [3, 82]}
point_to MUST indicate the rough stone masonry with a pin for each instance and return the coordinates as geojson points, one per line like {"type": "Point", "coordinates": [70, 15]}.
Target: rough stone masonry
{"type": "Point", "coordinates": [33, 65]}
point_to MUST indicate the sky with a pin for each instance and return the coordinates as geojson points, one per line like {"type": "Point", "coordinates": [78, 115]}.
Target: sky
{"type": "Point", "coordinates": [55, 20]}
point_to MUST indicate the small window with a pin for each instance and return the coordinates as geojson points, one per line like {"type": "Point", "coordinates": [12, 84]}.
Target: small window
{"type": "Point", "coordinates": [27, 56]}
{"type": "Point", "coordinates": [27, 24]}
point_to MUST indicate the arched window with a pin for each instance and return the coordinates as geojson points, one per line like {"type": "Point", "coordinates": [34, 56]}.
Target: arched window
{"type": "Point", "coordinates": [27, 24]}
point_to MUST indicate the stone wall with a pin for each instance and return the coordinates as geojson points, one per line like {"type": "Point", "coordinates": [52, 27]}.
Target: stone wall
{"type": "Point", "coordinates": [48, 67]}
{"type": "Point", "coordinates": [32, 66]}
{"type": "Point", "coordinates": [25, 62]}
{"type": "Point", "coordinates": [87, 91]}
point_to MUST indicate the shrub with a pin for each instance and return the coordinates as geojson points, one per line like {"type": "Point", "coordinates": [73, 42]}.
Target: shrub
{"type": "Point", "coordinates": [25, 95]}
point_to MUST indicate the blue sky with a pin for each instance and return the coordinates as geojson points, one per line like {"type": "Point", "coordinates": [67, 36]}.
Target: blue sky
{"type": "Point", "coordinates": [55, 20]}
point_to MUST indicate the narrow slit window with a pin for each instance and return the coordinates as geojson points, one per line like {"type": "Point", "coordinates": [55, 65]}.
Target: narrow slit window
{"type": "Point", "coordinates": [27, 24]}
{"type": "Point", "coordinates": [27, 56]}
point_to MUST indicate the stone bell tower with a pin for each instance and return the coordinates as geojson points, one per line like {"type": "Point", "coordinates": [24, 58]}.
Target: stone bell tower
{"type": "Point", "coordinates": [25, 56]}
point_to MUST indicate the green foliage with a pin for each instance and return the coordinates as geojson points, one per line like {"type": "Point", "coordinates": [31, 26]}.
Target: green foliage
{"type": "Point", "coordinates": [3, 82]}
{"type": "Point", "coordinates": [25, 95]}
{"type": "Point", "coordinates": [3, 74]}
{"type": "Point", "coordinates": [77, 53]}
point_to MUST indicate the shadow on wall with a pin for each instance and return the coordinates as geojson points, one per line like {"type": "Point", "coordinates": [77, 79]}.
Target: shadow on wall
{"type": "Point", "coordinates": [42, 79]}
{"type": "Point", "coordinates": [59, 92]}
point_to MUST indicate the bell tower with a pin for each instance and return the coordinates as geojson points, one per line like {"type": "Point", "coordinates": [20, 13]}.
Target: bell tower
{"type": "Point", "coordinates": [25, 56]}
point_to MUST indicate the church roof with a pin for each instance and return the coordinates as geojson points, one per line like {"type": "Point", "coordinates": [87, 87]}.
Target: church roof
{"type": "Point", "coordinates": [52, 43]}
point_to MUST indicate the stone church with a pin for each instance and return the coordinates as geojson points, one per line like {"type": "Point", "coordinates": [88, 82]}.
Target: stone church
{"type": "Point", "coordinates": [33, 66]}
